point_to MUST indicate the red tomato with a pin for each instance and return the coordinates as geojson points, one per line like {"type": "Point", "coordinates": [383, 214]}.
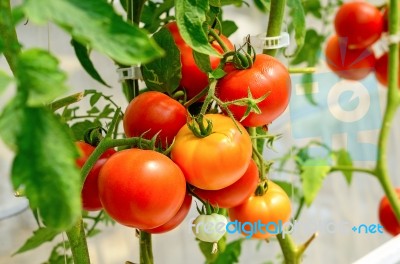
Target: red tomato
{"type": "Point", "coordinates": [267, 75]}
{"type": "Point", "coordinates": [270, 208]}
{"type": "Point", "coordinates": [234, 194]}
{"type": "Point", "coordinates": [361, 23]}
{"type": "Point", "coordinates": [217, 160]}
{"type": "Point", "coordinates": [193, 79]}
{"type": "Point", "coordinates": [153, 112]}
{"type": "Point", "coordinates": [90, 193]}
{"type": "Point", "coordinates": [387, 216]}
{"type": "Point", "coordinates": [141, 188]}
{"type": "Point", "coordinates": [176, 219]}
{"type": "Point", "coordinates": [351, 64]}
{"type": "Point", "coordinates": [381, 70]}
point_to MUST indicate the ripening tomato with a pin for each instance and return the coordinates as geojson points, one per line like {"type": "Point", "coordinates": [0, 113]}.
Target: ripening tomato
{"type": "Point", "coordinates": [141, 188]}
{"type": "Point", "coordinates": [90, 193]}
{"type": "Point", "coordinates": [217, 160]}
{"type": "Point", "coordinates": [387, 217]}
{"type": "Point", "coordinates": [209, 228]}
{"type": "Point", "coordinates": [235, 193]}
{"type": "Point", "coordinates": [267, 76]}
{"type": "Point", "coordinates": [176, 220]}
{"type": "Point", "coordinates": [351, 64]}
{"type": "Point", "coordinates": [360, 22]}
{"type": "Point", "coordinates": [270, 208]}
{"type": "Point", "coordinates": [153, 112]}
{"type": "Point", "coordinates": [381, 70]}
{"type": "Point", "coordinates": [193, 79]}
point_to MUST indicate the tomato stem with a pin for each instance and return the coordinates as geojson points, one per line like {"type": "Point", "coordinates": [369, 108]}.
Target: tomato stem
{"type": "Point", "coordinates": [302, 70]}
{"type": "Point", "coordinates": [146, 252]}
{"type": "Point", "coordinates": [77, 240]}
{"type": "Point", "coordinates": [196, 98]}
{"type": "Point", "coordinates": [277, 10]}
{"type": "Point", "coordinates": [215, 35]}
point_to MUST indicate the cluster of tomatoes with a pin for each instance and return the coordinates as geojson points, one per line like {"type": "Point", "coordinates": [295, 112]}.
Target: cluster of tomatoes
{"type": "Point", "coordinates": [210, 154]}
{"type": "Point", "coordinates": [349, 53]}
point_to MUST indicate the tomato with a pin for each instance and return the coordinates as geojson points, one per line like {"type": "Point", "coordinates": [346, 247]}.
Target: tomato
{"type": "Point", "coordinates": [267, 75]}
{"type": "Point", "coordinates": [269, 209]}
{"type": "Point", "coordinates": [215, 161]}
{"type": "Point", "coordinates": [176, 219]}
{"type": "Point", "coordinates": [193, 79]}
{"type": "Point", "coordinates": [361, 23]}
{"type": "Point", "coordinates": [90, 193]}
{"type": "Point", "coordinates": [381, 70]}
{"type": "Point", "coordinates": [235, 193]}
{"type": "Point", "coordinates": [387, 217]}
{"type": "Point", "coordinates": [351, 64]}
{"type": "Point", "coordinates": [141, 188]}
{"type": "Point", "coordinates": [153, 112]}
{"type": "Point", "coordinates": [209, 228]}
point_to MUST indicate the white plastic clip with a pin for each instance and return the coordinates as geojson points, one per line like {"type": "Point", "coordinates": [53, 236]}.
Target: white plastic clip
{"type": "Point", "coordinates": [131, 73]}
{"type": "Point", "coordinates": [260, 41]}
{"type": "Point", "coordinates": [394, 39]}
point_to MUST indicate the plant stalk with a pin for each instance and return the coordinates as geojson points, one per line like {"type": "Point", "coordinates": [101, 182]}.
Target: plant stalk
{"type": "Point", "coordinates": [276, 14]}
{"type": "Point", "coordinates": [146, 252]}
{"type": "Point", "coordinates": [77, 240]}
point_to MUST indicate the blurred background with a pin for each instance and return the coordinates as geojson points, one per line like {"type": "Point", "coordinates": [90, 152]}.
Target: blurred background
{"type": "Point", "coordinates": [336, 209]}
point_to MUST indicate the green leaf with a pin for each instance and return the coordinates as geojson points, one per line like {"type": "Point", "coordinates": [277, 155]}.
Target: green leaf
{"type": "Point", "coordinates": [313, 173]}
{"type": "Point", "coordinates": [228, 27]}
{"type": "Point", "coordinates": [94, 98]}
{"type": "Point", "coordinates": [79, 129]}
{"type": "Point", "coordinates": [231, 253]}
{"type": "Point", "coordinates": [38, 73]}
{"type": "Point", "coordinates": [95, 23]}
{"type": "Point", "coordinates": [313, 7]}
{"type": "Point", "coordinates": [107, 110]}
{"type": "Point", "coordinates": [12, 114]}
{"type": "Point", "coordinates": [263, 5]}
{"type": "Point", "coordinates": [82, 53]}
{"type": "Point", "coordinates": [219, 3]}
{"type": "Point", "coordinates": [152, 15]}
{"type": "Point", "coordinates": [164, 74]}
{"type": "Point", "coordinates": [40, 236]}
{"type": "Point", "coordinates": [343, 158]}
{"type": "Point", "coordinates": [1, 46]}
{"type": "Point", "coordinates": [190, 17]}
{"type": "Point", "coordinates": [311, 49]}
{"type": "Point", "coordinates": [206, 249]}
{"type": "Point", "coordinates": [202, 61]}
{"type": "Point", "coordinates": [298, 21]}
{"type": "Point", "coordinates": [59, 254]}
{"type": "Point", "coordinates": [307, 83]}
{"type": "Point", "coordinates": [44, 168]}
{"type": "Point", "coordinates": [5, 80]}
{"type": "Point", "coordinates": [291, 190]}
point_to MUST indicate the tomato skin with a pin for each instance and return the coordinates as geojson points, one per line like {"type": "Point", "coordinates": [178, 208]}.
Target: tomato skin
{"type": "Point", "coordinates": [135, 188]}
{"type": "Point", "coordinates": [176, 220]}
{"type": "Point", "coordinates": [234, 194]}
{"type": "Point", "coordinates": [267, 75]}
{"type": "Point", "coordinates": [216, 161]}
{"type": "Point", "coordinates": [90, 193]}
{"type": "Point", "coordinates": [273, 206]}
{"type": "Point", "coordinates": [351, 64]}
{"type": "Point", "coordinates": [193, 79]}
{"type": "Point", "coordinates": [381, 70]}
{"type": "Point", "coordinates": [387, 217]}
{"type": "Point", "coordinates": [153, 112]}
{"type": "Point", "coordinates": [361, 23]}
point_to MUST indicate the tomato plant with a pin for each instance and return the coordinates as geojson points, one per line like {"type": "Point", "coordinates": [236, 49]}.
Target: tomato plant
{"type": "Point", "coordinates": [352, 64]}
{"type": "Point", "coordinates": [271, 207]}
{"type": "Point", "coordinates": [194, 80]}
{"type": "Point", "coordinates": [352, 20]}
{"type": "Point", "coordinates": [153, 113]}
{"type": "Point", "coordinates": [217, 160]}
{"type": "Point", "coordinates": [133, 188]}
{"type": "Point", "coordinates": [387, 216]}
{"type": "Point", "coordinates": [235, 193]}
{"type": "Point", "coordinates": [268, 77]}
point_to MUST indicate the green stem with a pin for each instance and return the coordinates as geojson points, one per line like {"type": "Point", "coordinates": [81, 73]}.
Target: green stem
{"type": "Point", "coordinates": [292, 253]}
{"type": "Point", "coordinates": [146, 252]}
{"type": "Point", "coordinates": [8, 34]}
{"type": "Point", "coordinates": [393, 100]}
{"type": "Point", "coordinates": [302, 70]}
{"type": "Point", "coordinates": [77, 239]}
{"type": "Point", "coordinates": [54, 106]}
{"type": "Point", "coordinates": [209, 97]}
{"type": "Point", "coordinates": [214, 34]}
{"type": "Point", "coordinates": [276, 14]}
{"type": "Point", "coordinates": [353, 169]}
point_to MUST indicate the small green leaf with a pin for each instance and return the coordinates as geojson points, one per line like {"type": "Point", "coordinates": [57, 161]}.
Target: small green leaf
{"type": "Point", "coordinates": [40, 236]}
{"type": "Point", "coordinates": [307, 83]}
{"type": "Point", "coordinates": [219, 3]}
{"type": "Point", "coordinates": [313, 7]}
{"type": "Point", "coordinates": [298, 21]}
{"type": "Point", "coordinates": [5, 80]}
{"type": "Point", "coordinates": [152, 15]}
{"type": "Point", "coordinates": [12, 114]}
{"type": "Point", "coordinates": [311, 49]}
{"type": "Point", "coordinates": [231, 253]}
{"type": "Point", "coordinates": [228, 27]}
{"type": "Point", "coordinates": [313, 173]}
{"type": "Point", "coordinates": [164, 74]}
{"type": "Point", "coordinates": [94, 98]}
{"type": "Point", "coordinates": [79, 129]}
{"type": "Point", "coordinates": [218, 73]}
{"type": "Point", "coordinates": [44, 167]}
{"type": "Point", "coordinates": [95, 23]}
{"type": "Point", "coordinates": [82, 53]}
{"type": "Point", "coordinates": [291, 190]}
{"type": "Point", "coordinates": [190, 17]}
{"type": "Point", "coordinates": [206, 249]}
{"type": "Point", "coordinates": [263, 5]}
{"type": "Point", "coordinates": [38, 73]}
{"type": "Point", "coordinates": [93, 110]}
{"type": "Point", "coordinates": [59, 254]}
{"type": "Point", "coordinates": [107, 110]}
{"type": "Point", "coordinates": [343, 158]}
{"type": "Point", "coordinates": [202, 61]}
